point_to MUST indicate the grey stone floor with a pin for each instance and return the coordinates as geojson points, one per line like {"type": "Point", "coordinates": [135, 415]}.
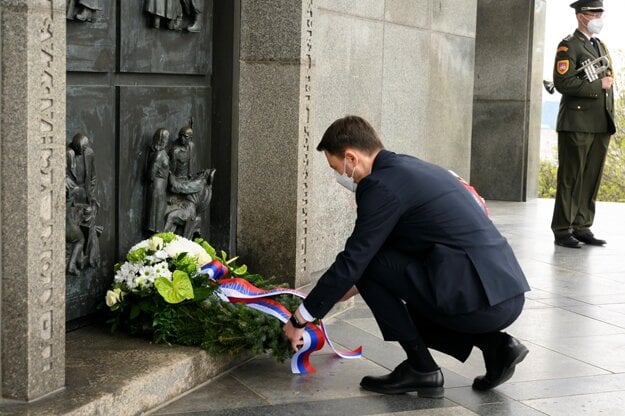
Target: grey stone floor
{"type": "Point", "coordinates": [573, 325]}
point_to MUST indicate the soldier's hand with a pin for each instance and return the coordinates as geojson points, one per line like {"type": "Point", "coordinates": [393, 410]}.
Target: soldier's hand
{"type": "Point", "coordinates": [606, 82]}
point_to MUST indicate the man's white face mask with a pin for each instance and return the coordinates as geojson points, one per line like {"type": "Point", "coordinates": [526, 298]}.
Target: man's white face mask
{"type": "Point", "coordinates": [344, 180]}
{"type": "Point", "coordinates": [595, 25]}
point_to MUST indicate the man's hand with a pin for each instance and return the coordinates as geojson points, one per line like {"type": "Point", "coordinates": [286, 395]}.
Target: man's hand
{"type": "Point", "coordinates": [606, 82]}
{"type": "Point", "coordinates": [294, 335]}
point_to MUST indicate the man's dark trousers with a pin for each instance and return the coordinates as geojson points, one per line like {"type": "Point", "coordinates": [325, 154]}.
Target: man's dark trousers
{"type": "Point", "coordinates": [581, 157]}
{"type": "Point", "coordinates": [405, 311]}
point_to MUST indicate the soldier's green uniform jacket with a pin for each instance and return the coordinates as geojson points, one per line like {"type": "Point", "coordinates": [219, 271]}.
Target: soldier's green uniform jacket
{"type": "Point", "coordinates": [585, 106]}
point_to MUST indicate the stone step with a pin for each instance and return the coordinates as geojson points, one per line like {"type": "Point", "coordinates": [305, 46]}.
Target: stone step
{"type": "Point", "coordinates": [122, 375]}
{"type": "Point", "coordinates": [117, 374]}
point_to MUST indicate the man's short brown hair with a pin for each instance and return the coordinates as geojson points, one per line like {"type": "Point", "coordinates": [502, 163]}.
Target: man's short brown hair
{"type": "Point", "coordinates": [350, 131]}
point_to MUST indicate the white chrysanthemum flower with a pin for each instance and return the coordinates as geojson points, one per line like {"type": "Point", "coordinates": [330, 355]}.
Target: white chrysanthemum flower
{"type": "Point", "coordinates": [139, 281]}
{"type": "Point", "coordinates": [162, 270]}
{"type": "Point", "coordinates": [126, 274]}
{"type": "Point", "coordinates": [147, 275]}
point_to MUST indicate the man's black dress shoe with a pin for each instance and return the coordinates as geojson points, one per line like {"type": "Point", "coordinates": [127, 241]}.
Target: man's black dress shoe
{"type": "Point", "coordinates": [501, 365]}
{"type": "Point", "coordinates": [404, 379]}
{"type": "Point", "coordinates": [589, 238]}
{"type": "Point", "coordinates": [568, 241]}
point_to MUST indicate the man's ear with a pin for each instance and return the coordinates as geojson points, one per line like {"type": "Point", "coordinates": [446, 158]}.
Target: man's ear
{"type": "Point", "coordinates": [351, 156]}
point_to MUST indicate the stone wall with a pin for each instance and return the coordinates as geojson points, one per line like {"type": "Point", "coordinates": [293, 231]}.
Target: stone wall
{"type": "Point", "coordinates": [405, 65]}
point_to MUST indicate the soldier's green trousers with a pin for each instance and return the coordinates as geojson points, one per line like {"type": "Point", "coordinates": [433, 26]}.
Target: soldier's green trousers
{"type": "Point", "coordinates": [581, 157]}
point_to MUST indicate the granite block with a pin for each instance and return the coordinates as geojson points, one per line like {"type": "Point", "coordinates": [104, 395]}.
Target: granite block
{"type": "Point", "coordinates": [450, 102]}
{"type": "Point", "coordinates": [405, 93]}
{"type": "Point", "coordinates": [348, 80]}
{"type": "Point", "coordinates": [456, 17]}
{"type": "Point", "coordinates": [502, 56]}
{"type": "Point", "coordinates": [270, 31]}
{"type": "Point", "coordinates": [268, 142]}
{"type": "Point", "coordinates": [498, 149]}
{"type": "Point", "coordinates": [414, 13]}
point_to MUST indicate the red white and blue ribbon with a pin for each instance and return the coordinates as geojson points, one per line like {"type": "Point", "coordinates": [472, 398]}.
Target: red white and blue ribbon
{"type": "Point", "coordinates": [239, 290]}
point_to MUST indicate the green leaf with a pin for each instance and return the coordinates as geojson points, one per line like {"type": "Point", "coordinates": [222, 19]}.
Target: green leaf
{"type": "Point", "coordinates": [134, 311]}
{"type": "Point", "coordinates": [177, 290]}
{"type": "Point", "coordinates": [207, 247]}
{"type": "Point", "coordinates": [201, 293]}
{"type": "Point", "coordinates": [240, 270]}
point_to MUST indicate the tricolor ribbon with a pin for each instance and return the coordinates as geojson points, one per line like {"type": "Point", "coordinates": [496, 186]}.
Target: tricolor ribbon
{"type": "Point", "coordinates": [239, 290]}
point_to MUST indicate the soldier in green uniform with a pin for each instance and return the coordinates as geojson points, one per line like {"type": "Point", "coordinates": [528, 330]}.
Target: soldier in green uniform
{"type": "Point", "coordinates": [585, 124]}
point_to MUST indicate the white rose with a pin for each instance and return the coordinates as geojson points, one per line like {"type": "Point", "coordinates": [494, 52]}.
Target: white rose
{"type": "Point", "coordinates": [112, 297]}
{"type": "Point", "coordinates": [155, 243]}
{"type": "Point", "coordinates": [203, 257]}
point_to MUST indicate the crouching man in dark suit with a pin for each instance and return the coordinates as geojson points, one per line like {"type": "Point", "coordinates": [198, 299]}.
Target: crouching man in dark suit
{"type": "Point", "coordinates": [428, 262]}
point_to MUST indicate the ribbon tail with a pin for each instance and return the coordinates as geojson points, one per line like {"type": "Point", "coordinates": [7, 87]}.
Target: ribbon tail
{"type": "Point", "coordinates": [355, 353]}
{"type": "Point", "coordinates": [238, 290]}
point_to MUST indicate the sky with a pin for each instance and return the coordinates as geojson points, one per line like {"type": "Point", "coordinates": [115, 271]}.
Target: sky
{"type": "Point", "coordinates": [561, 22]}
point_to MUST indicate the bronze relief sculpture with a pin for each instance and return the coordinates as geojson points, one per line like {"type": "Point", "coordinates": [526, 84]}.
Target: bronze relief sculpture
{"type": "Point", "coordinates": [175, 14]}
{"type": "Point", "coordinates": [177, 194]}
{"type": "Point", "coordinates": [83, 10]}
{"type": "Point", "coordinates": [82, 206]}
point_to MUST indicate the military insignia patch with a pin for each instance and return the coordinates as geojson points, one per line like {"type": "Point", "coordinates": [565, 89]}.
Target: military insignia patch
{"type": "Point", "coordinates": [562, 49]}
{"type": "Point", "coordinates": [563, 66]}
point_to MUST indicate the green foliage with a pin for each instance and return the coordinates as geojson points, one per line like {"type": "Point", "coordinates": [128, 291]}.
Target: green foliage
{"type": "Point", "coordinates": [613, 182]}
{"type": "Point", "coordinates": [184, 262]}
{"type": "Point", "coordinates": [136, 256]}
{"type": "Point", "coordinates": [547, 179]}
{"type": "Point", "coordinates": [166, 237]}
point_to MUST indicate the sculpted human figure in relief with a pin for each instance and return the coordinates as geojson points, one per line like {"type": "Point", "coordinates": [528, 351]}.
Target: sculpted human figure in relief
{"type": "Point", "coordinates": [83, 10]}
{"type": "Point", "coordinates": [82, 206]}
{"type": "Point", "coordinates": [177, 194]}
{"type": "Point", "coordinates": [175, 14]}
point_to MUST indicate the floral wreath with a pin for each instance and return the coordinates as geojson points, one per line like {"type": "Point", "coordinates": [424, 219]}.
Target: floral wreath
{"type": "Point", "coordinates": [178, 291]}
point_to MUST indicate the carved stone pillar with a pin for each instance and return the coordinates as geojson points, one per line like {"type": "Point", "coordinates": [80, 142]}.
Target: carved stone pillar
{"type": "Point", "coordinates": [275, 138]}
{"type": "Point", "coordinates": [32, 192]}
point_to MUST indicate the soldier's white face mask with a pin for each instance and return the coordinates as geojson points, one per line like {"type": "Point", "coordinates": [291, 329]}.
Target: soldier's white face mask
{"type": "Point", "coordinates": [344, 180]}
{"type": "Point", "coordinates": [595, 25]}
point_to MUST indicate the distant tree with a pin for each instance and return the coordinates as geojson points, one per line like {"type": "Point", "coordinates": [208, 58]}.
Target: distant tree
{"type": "Point", "coordinates": [547, 179]}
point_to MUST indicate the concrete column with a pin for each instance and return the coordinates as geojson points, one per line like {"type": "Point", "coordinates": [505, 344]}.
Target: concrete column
{"type": "Point", "coordinates": [274, 137]}
{"type": "Point", "coordinates": [507, 98]}
{"type": "Point", "coordinates": [32, 205]}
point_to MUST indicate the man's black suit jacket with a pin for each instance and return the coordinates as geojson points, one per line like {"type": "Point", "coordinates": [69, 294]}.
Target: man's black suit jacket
{"type": "Point", "coordinates": [406, 204]}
